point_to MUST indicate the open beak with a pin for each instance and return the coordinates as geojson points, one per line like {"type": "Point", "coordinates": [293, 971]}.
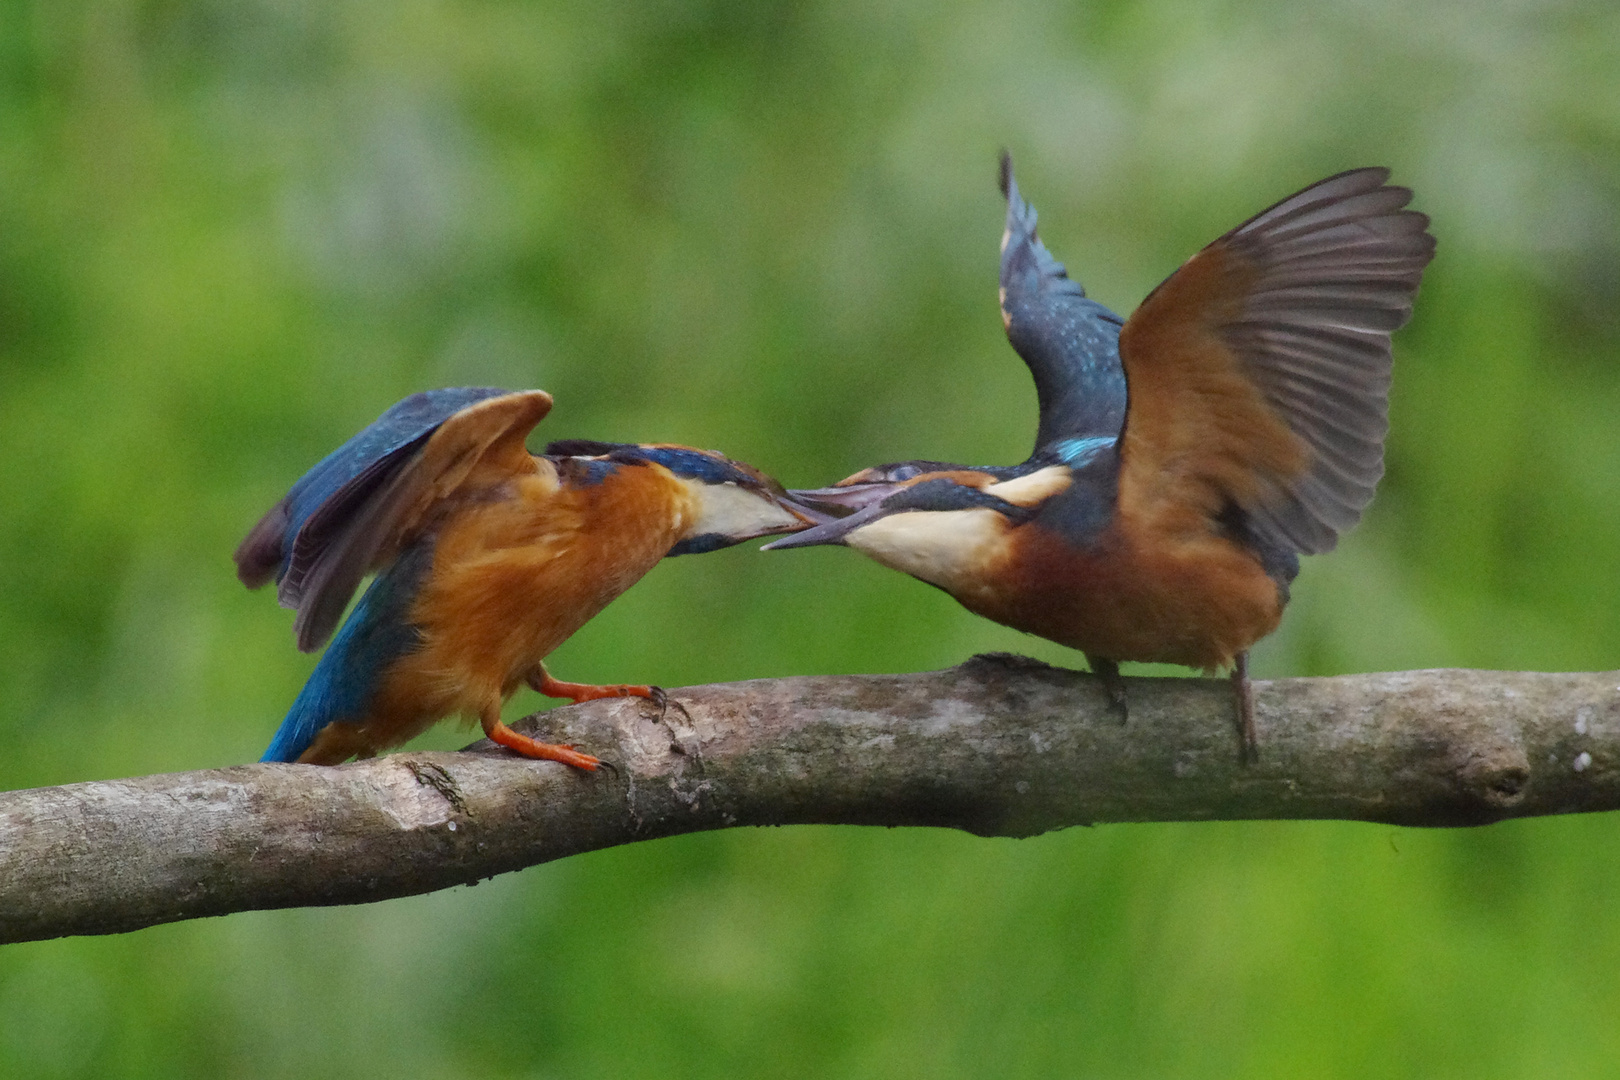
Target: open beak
{"type": "Point", "coordinates": [840, 500]}
{"type": "Point", "coordinates": [830, 531]}
{"type": "Point", "coordinates": [834, 512]}
{"type": "Point", "coordinates": [793, 518]}
{"type": "Point", "coordinates": [808, 513]}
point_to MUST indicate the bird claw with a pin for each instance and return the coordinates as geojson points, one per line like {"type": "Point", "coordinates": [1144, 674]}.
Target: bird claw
{"type": "Point", "coordinates": [1107, 672]}
{"type": "Point", "coordinates": [596, 762]}
{"type": "Point", "coordinates": [659, 697]}
{"type": "Point", "coordinates": [1116, 698]}
{"type": "Point", "coordinates": [1243, 692]}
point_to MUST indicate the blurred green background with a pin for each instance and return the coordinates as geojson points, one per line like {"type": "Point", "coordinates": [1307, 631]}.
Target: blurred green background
{"type": "Point", "coordinates": [232, 232]}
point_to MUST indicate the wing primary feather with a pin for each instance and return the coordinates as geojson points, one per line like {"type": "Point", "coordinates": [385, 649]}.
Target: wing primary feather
{"type": "Point", "coordinates": [324, 526]}
{"type": "Point", "coordinates": [353, 512]}
{"type": "Point", "coordinates": [345, 551]}
{"type": "Point", "coordinates": [268, 548]}
{"type": "Point", "coordinates": [398, 505]}
{"type": "Point", "coordinates": [259, 556]}
{"type": "Point", "coordinates": [1277, 335]}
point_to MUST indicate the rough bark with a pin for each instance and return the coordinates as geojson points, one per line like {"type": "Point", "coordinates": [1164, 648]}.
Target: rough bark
{"type": "Point", "coordinates": [999, 746]}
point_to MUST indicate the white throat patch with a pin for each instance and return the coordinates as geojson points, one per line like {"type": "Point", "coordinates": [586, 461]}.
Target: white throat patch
{"type": "Point", "coordinates": [948, 548]}
{"type": "Point", "coordinates": [730, 510]}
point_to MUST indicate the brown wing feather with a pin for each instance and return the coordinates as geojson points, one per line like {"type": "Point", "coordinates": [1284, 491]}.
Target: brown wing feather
{"type": "Point", "coordinates": [479, 447]}
{"type": "Point", "coordinates": [1259, 372]}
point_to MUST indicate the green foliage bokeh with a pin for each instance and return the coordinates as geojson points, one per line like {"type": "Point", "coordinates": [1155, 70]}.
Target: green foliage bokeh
{"type": "Point", "coordinates": [231, 233]}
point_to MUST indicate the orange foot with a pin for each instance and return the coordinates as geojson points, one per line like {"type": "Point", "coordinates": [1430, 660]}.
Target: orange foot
{"type": "Point", "coordinates": [542, 682]}
{"type": "Point", "coordinates": [502, 735]}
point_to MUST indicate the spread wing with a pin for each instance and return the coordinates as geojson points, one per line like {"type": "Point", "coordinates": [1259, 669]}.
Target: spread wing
{"type": "Point", "coordinates": [350, 513]}
{"type": "Point", "coordinates": [1259, 372]}
{"type": "Point", "coordinates": [1070, 342]}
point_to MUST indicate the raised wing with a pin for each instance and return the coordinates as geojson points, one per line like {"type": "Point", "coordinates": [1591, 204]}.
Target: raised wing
{"type": "Point", "coordinates": [1070, 343]}
{"type": "Point", "coordinates": [1259, 371]}
{"type": "Point", "coordinates": [349, 514]}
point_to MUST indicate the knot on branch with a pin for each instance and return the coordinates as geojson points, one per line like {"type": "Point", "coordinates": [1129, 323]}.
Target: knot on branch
{"type": "Point", "coordinates": [1496, 776]}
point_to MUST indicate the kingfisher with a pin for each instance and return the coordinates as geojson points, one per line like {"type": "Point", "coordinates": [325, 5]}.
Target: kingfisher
{"type": "Point", "coordinates": [1184, 457]}
{"type": "Point", "coordinates": [487, 557]}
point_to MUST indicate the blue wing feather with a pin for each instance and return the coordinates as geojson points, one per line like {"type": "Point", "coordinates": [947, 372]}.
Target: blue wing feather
{"type": "Point", "coordinates": [1070, 342]}
{"type": "Point", "coordinates": [361, 463]}
{"type": "Point", "coordinates": [388, 438]}
{"type": "Point", "coordinates": [375, 635]}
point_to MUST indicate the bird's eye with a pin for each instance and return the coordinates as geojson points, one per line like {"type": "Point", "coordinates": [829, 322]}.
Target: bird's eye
{"type": "Point", "coordinates": [904, 472]}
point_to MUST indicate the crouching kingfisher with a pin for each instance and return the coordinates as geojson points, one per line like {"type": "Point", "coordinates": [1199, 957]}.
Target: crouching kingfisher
{"type": "Point", "coordinates": [1185, 457]}
{"type": "Point", "coordinates": [488, 558]}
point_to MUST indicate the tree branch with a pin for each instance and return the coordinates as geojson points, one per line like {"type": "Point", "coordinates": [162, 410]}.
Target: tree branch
{"type": "Point", "coordinates": [1000, 746]}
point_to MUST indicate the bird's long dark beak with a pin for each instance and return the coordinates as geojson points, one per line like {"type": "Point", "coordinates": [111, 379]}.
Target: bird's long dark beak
{"type": "Point", "coordinates": [808, 512]}
{"type": "Point", "coordinates": [843, 499]}
{"type": "Point", "coordinates": [830, 531]}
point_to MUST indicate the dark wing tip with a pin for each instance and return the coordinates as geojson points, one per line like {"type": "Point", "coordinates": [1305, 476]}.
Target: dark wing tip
{"type": "Point", "coordinates": [316, 622]}
{"type": "Point", "coordinates": [1004, 174]}
{"type": "Point", "coordinates": [1339, 267]}
{"type": "Point", "coordinates": [581, 448]}
{"type": "Point", "coordinates": [1363, 178]}
{"type": "Point", "coordinates": [258, 557]}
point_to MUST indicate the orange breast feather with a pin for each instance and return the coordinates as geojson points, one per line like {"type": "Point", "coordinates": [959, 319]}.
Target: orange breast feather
{"type": "Point", "coordinates": [515, 577]}
{"type": "Point", "coordinates": [1194, 599]}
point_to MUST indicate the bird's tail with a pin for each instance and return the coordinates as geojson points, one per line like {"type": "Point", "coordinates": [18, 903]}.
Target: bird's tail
{"type": "Point", "coordinates": [377, 633]}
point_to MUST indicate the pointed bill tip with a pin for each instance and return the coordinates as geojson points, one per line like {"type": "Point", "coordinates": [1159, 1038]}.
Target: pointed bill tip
{"type": "Point", "coordinates": [789, 541]}
{"type": "Point", "coordinates": [1004, 174]}
{"type": "Point", "coordinates": [827, 533]}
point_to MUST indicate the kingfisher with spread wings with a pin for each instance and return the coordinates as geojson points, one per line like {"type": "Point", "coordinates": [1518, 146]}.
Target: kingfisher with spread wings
{"type": "Point", "coordinates": [1185, 457]}
{"type": "Point", "coordinates": [488, 557]}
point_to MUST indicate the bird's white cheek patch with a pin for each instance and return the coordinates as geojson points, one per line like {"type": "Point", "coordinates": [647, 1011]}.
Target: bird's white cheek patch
{"type": "Point", "coordinates": [729, 510]}
{"type": "Point", "coordinates": [948, 548]}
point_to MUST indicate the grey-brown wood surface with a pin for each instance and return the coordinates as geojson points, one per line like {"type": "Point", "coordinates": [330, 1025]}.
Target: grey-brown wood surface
{"type": "Point", "coordinates": [998, 746]}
